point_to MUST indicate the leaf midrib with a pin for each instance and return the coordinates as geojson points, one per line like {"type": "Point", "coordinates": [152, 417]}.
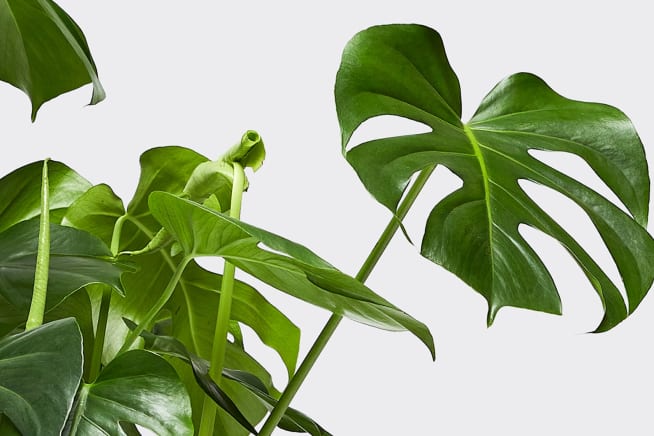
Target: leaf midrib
{"type": "Point", "coordinates": [476, 148]}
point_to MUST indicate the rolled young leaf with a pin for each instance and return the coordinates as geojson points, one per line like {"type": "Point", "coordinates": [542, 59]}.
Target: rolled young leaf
{"type": "Point", "coordinates": [300, 273]}
{"type": "Point", "coordinates": [402, 70]}
{"type": "Point", "coordinates": [45, 53]}
{"type": "Point", "coordinates": [41, 370]}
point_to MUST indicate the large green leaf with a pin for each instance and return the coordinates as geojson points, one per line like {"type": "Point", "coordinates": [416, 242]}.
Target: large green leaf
{"type": "Point", "coordinates": [44, 52]}
{"type": "Point", "coordinates": [402, 70]}
{"type": "Point", "coordinates": [77, 259]}
{"type": "Point", "coordinates": [204, 232]}
{"type": "Point", "coordinates": [40, 371]}
{"type": "Point", "coordinates": [137, 387]}
{"type": "Point", "coordinates": [20, 192]}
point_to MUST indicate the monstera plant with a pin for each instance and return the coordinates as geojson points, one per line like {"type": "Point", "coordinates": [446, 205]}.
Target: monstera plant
{"type": "Point", "coordinates": [109, 325]}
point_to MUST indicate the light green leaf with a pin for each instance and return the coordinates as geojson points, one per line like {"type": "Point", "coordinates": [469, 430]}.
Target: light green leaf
{"type": "Point", "coordinates": [95, 211]}
{"type": "Point", "coordinates": [402, 70]}
{"type": "Point", "coordinates": [137, 387]}
{"type": "Point", "coordinates": [77, 259]}
{"type": "Point", "coordinates": [204, 232]}
{"type": "Point", "coordinates": [45, 53]}
{"type": "Point", "coordinates": [41, 370]}
{"type": "Point", "coordinates": [20, 192]}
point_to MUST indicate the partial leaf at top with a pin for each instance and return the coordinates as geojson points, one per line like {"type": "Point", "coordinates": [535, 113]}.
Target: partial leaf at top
{"type": "Point", "coordinates": [402, 70]}
{"type": "Point", "coordinates": [20, 192]}
{"type": "Point", "coordinates": [300, 273]}
{"type": "Point", "coordinates": [45, 53]}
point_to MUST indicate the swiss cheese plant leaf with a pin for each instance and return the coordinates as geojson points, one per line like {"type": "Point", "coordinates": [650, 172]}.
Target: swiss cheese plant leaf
{"type": "Point", "coordinates": [40, 372]}
{"type": "Point", "coordinates": [44, 52]}
{"type": "Point", "coordinates": [402, 70]}
{"type": "Point", "coordinates": [77, 259]}
{"type": "Point", "coordinates": [298, 272]}
{"type": "Point", "coordinates": [20, 192]}
{"type": "Point", "coordinates": [137, 387]}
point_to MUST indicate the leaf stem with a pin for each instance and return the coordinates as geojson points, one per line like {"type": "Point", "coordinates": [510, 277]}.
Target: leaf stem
{"type": "Point", "coordinates": [334, 320]}
{"type": "Point", "coordinates": [154, 310]}
{"type": "Point", "coordinates": [37, 307]}
{"type": "Point", "coordinates": [105, 304]}
{"type": "Point", "coordinates": [224, 310]}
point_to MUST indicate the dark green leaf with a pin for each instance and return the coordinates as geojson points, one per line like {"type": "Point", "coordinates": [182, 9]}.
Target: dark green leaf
{"type": "Point", "coordinates": [293, 420]}
{"type": "Point", "coordinates": [44, 52]}
{"type": "Point", "coordinates": [77, 259]}
{"type": "Point", "coordinates": [41, 370]}
{"type": "Point", "coordinates": [204, 232]}
{"type": "Point", "coordinates": [402, 70]}
{"type": "Point", "coordinates": [137, 387]}
{"type": "Point", "coordinates": [20, 192]}
{"type": "Point", "coordinates": [171, 346]}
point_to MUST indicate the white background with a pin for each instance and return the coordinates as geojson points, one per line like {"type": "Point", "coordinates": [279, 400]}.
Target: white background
{"type": "Point", "coordinates": [199, 73]}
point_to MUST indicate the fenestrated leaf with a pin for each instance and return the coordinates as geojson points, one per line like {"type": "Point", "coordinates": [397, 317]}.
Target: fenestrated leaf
{"type": "Point", "coordinates": [77, 258]}
{"type": "Point", "coordinates": [204, 232]}
{"type": "Point", "coordinates": [137, 387]}
{"type": "Point", "coordinates": [403, 70]}
{"type": "Point", "coordinates": [20, 192]}
{"type": "Point", "coordinates": [293, 420]}
{"type": "Point", "coordinates": [41, 369]}
{"type": "Point", "coordinates": [45, 53]}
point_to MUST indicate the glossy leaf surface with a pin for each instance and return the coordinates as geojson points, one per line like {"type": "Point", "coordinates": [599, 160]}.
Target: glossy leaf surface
{"type": "Point", "coordinates": [20, 192]}
{"type": "Point", "coordinates": [300, 273]}
{"type": "Point", "coordinates": [77, 259]}
{"type": "Point", "coordinates": [137, 387]}
{"type": "Point", "coordinates": [402, 70]}
{"type": "Point", "coordinates": [41, 370]}
{"type": "Point", "coordinates": [45, 53]}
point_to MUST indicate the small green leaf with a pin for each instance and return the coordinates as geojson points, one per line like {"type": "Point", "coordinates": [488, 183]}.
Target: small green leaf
{"type": "Point", "coordinates": [41, 370]}
{"type": "Point", "coordinates": [95, 211]}
{"type": "Point", "coordinates": [203, 232]}
{"type": "Point", "coordinates": [20, 192]}
{"type": "Point", "coordinates": [76, 259]}
{"type": "Point", "coordinates": [402, 70]}
{"type": "Point", "coordinates": [137, 387]}
{"type": "Point", "coordinates": [45, 53]}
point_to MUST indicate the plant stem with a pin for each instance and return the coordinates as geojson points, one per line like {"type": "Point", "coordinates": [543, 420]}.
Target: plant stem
{"type": "Point", "coordinates": [333, 322]}
{"type": "Point", "coordinates": [105, 304]}
{"type": "Point", "coordinates": [37, 307]}
{"type": "Point", "coordinates": [224, 311]}
{"type": "Point", "coordinates": [154, 310]}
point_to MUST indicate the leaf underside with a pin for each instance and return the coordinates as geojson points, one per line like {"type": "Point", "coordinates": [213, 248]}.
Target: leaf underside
{"type": "Point", "coordinates": [402, 70]}
{"type": "Point", "coordinates": [45, 53]}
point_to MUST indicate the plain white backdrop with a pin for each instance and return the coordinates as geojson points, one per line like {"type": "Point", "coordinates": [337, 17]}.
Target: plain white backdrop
{"type": "Point", "coordinates": [199, 73]}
